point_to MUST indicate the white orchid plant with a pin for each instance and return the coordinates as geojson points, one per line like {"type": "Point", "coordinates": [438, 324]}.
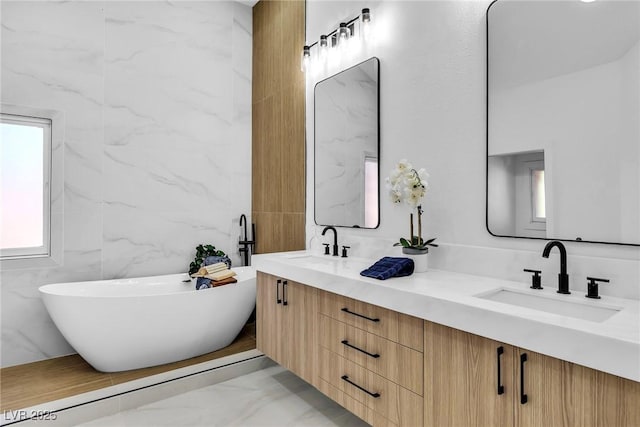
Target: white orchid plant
{"type": "Point", "coordinates": [408, 185]}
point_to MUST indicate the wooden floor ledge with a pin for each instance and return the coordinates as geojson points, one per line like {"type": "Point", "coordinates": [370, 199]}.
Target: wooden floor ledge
{"type": "Point", "coordinates": [31, 384]}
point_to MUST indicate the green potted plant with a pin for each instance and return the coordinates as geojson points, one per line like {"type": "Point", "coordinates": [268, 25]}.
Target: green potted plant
{"type": "Point", "coordinates": [202, 253]}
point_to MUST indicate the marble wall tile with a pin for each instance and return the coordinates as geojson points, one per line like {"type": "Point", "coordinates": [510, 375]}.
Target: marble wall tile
{"type": "Point", "coordinates": [156, 101]}
{"type": "Point", "coordinates": [28, 333]}
{"type": "Point", "coordinates": [242, 90]}
{"type": "Point", "coordinates": [45, 65]}
{"type": "Point", "coordinates": [168, 74]}
{"type": "Point", "coordinates": [169, 180]}
{"type": "Point", "coordinates": [169, 133]}
{"type": "Point", "coordinates": [140, 242]}
{"type": "Point", "coordinates": [40, 41]}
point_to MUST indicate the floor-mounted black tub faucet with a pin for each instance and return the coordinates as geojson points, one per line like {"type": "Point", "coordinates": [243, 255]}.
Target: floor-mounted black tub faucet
{"type": "Point", "coordinates": [246, 243]}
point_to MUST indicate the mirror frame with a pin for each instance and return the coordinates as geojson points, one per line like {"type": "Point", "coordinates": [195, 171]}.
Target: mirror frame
{"type": "Point", "coordinates": [487, 160]}
{"type": "Point", "coordinates": [315, 144]}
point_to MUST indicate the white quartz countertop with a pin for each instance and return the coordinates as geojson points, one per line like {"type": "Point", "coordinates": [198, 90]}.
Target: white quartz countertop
{"type": "Point", "coordinates": [451, 299]}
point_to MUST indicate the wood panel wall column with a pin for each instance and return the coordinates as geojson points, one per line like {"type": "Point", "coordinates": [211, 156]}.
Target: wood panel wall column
{"type": "Point", "coordinates": [278, 141]}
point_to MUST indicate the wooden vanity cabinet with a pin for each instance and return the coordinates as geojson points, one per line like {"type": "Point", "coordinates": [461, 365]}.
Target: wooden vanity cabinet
{"type": "Point", "coordinates": [461, 372]}
{"type": "Point", "coordinates": [286, 324]}
{"type": "Point", "coordinates": [461, 387]}
{"type": "Point", "coordinates": [391, 369]}
{"type": "Point", "coordinates": [574, 395]}
{"type": "Point", "coordinates": [367, 358]}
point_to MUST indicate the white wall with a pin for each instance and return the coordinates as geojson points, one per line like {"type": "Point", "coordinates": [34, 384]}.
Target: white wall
{"type": "Point", "coordinates": [157, 105]}
{"type": "Point", "coordinates": [433, 93]}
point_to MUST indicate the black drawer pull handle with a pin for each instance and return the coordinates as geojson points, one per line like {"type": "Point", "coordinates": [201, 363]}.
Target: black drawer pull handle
{"type": "Point", "coordinates": [346, 310]}
{"type": "Point", "coordinates": [346, 378]}
{"type": "Point", "coordinates": [500, 386]}
{"type": "Point", "coordinates": [523, 396]}
{"type": "Point", "coordinates": [284, 293]}
{"type": "Point", "coordinates": [345, 342]}
{"type": "Point", "coordinates": [278, 300]}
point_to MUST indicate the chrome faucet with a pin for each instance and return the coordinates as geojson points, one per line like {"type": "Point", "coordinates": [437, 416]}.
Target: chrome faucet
{"type": "Point", "coordinates": [563, 277]}
{"type": "Point", "coordinates": [335, 238]}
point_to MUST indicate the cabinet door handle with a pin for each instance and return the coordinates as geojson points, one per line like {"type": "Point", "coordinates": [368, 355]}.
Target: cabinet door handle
{"type": "Point", "coordinates": [284, 293]}
{"type": "Point", "coordinates": [346, 310]}
{"type": "Point", "coordinates": [523, 396]}
{"type": "Point", "coordinates": [345, 342]}
{"type": "Point", "coordinates": [278, 300]}
{"type": "Point", "coordinates": [500, 351]}
{"type": "Point", "coordinates": [346, 378]}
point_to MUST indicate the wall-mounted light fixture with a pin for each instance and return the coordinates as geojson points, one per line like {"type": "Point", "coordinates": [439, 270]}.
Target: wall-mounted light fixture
{"type": "Point", "coordinates": [337, 39]}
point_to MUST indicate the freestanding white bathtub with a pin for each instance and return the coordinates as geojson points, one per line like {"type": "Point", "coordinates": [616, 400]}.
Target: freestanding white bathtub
{"type": "Point", "coordinates": [123, 324]}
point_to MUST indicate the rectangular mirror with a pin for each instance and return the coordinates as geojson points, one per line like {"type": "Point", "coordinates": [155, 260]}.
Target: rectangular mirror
{"type": "Point", "coordinates": [563, 130]}
{"type": "Point", "coordinates": [346, 114]}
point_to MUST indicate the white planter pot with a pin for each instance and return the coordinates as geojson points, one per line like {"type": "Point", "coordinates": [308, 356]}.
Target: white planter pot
{"type": "Point", "coordinates": [419, 257]}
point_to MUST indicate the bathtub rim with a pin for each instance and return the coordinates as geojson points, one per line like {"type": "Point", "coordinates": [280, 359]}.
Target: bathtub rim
{"type": "Point", "coordinates": [65, 289]}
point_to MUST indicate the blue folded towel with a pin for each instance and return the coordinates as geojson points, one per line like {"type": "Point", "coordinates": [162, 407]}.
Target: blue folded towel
{"type": "Point", "coordinates": [202, 283]}
{"type": "Point", "coordinates": [388, 267]}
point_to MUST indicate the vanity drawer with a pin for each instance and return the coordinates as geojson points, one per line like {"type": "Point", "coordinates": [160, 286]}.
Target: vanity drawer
{"type": "Point", "coordinates": [401, 328]}
{"type": "Point", "coordinates": [396, 403]}
{"type": "Point", "coordinates": [400, 364]}
{"type": "Point", "coordinates": [353, 406]}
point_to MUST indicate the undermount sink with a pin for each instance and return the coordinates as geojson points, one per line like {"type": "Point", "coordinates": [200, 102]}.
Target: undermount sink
{"type": "Point", "coordinates": [311, 259]}
{"type": "Point", "coordinates": [551, 304]}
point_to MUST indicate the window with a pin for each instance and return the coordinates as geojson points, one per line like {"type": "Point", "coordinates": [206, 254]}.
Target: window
{"type": "Point", "coordinates": [537, 196]}
{"type": "Point", "coordinates": [25, 178]}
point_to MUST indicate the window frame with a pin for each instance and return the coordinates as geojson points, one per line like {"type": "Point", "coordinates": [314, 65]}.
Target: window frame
{"type": "Point", "coordinates": [56, 189]}
{"type": "Point", "coordinates": [46, 124]}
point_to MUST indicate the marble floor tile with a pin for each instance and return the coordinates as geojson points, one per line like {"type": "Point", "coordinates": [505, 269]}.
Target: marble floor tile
{"type": "Point", "coordinates": [269, 397]}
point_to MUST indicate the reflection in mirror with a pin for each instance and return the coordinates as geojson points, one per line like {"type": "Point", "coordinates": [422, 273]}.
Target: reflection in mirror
{"type": "Point", "coordinates": [563, 120]}
{"type": "Point", "coordinates": [347, 146]}
{"type": "Point", "coordinates": [517, 194]}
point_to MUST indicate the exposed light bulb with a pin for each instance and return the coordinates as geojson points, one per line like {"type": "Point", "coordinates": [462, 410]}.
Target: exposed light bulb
{"type": "Point", "coordinates": [306, 59]}
{"type": "Point", "coordinates": [323, 49]}
{"type": "Point", "coordinates": [343, 33]}
{"type": "Point", "coordinates": [366, 24]}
